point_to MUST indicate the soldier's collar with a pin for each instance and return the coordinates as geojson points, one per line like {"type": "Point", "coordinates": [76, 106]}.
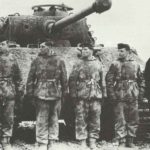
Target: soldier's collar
{"type": "Point", "coordinates": [90, 59]}
{"type": "Point", "coordinates": [129, 58]}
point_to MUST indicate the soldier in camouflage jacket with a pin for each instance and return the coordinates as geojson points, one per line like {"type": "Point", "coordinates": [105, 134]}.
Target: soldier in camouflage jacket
{"type": "Point", "coordinates": [47, 83]}
{"type": "Point", "coordinates": [125, 86]}
{"type": "Point", "coordinates": [86, 87]}
{"type": "Point", "coordinates": [10, 85]}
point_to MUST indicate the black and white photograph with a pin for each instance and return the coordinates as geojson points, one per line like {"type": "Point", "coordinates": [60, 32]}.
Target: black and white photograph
{"type": "Point", "coordinates": [74, 75]}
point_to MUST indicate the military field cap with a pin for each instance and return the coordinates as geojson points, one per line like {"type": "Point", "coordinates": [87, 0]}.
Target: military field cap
{"type": "Point", "coordinates": [89, 45]}
{"type": "Point", "coordinates": [81, 45]}
{"type": "Point", "coordinates": [122, 45]}
{"type": "Point", "coordinates": [98, 47]}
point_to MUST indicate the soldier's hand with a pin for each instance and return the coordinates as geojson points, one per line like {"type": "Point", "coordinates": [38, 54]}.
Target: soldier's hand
{"type": "Point", "coordinates": [145, 100]}
{"type": "Point", "coordinates": [104, 95]}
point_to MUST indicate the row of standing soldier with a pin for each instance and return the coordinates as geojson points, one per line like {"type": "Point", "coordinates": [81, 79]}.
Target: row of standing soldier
{"type": "Point", "coordinates": [47, 83]}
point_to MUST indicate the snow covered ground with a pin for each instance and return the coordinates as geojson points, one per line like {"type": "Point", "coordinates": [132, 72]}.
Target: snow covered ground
{"type": "Point", "coordinates": [63, 145]}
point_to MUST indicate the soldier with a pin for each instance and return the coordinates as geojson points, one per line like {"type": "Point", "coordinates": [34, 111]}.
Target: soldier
{"type": "Point", "coordinates": [47, 83]}
{"type": "Point", "coordinates": [10, 85]}
{"type": "Point", "coordinates": [125, 87]}
{"type": "Point", "coordinates": [147, 79]}
{"type": "Point", "coordinates": [86, 87]}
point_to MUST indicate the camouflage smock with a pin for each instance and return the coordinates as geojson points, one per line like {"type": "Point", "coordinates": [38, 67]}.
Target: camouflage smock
{"type": "Point", "coordinates": [47, 78]}
{"type": "Point", "coordinates": [10, 77]}
{"type": "Point", "coordinates": [86, 80]}
{"type": "Point", "coordinates": [124, 80]}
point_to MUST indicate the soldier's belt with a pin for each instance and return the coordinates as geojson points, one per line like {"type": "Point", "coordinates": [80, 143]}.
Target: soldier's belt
{"type": "Point", "coordinates": [48, 80]}
{"type": "Point", "coordinates": [5, 79]}
{"type": "Point", "coordinates": [128, 81]}
{"type": "Point", "coordinates": [51, 80]}
{"type": "Point", "coordinates": [89, 82]}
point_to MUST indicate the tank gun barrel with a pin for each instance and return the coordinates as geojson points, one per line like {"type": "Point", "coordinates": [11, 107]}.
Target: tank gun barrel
{"type": "Point", "coordinates": [1, 23]}
{"type": "Point", "coordinates": [98, 6]}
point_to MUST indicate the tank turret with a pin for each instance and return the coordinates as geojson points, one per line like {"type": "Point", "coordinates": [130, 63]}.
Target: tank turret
{"type": "Point", "coordinates": [44, 25]}
{"type": "Point", "coordinates": [98, 6]}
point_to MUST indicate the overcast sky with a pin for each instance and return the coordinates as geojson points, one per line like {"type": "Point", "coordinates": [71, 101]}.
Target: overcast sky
{"type": "Point", "coordinates": [127, 21]}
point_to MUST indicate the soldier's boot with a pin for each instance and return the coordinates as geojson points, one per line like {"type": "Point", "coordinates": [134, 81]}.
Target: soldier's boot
{"type": "Point", "coordinates": [6, 143]}
{"type": "Point", "coordinates": [122, 142]}
{"type": "Point", "coordinates": [1, 147]}
{"type": "Point", "coordinates": [130, 142]}
{"type": "Point", "coordinates": [115, 142]}
{"type": "Point", "coordinates": [41, 146]}
{"type": "Point", "coordinates": [92, 143]}
{"type": "Point", "coordinates": [82, 143]}
{"type": "Point", "coordinates": [50, 144]}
